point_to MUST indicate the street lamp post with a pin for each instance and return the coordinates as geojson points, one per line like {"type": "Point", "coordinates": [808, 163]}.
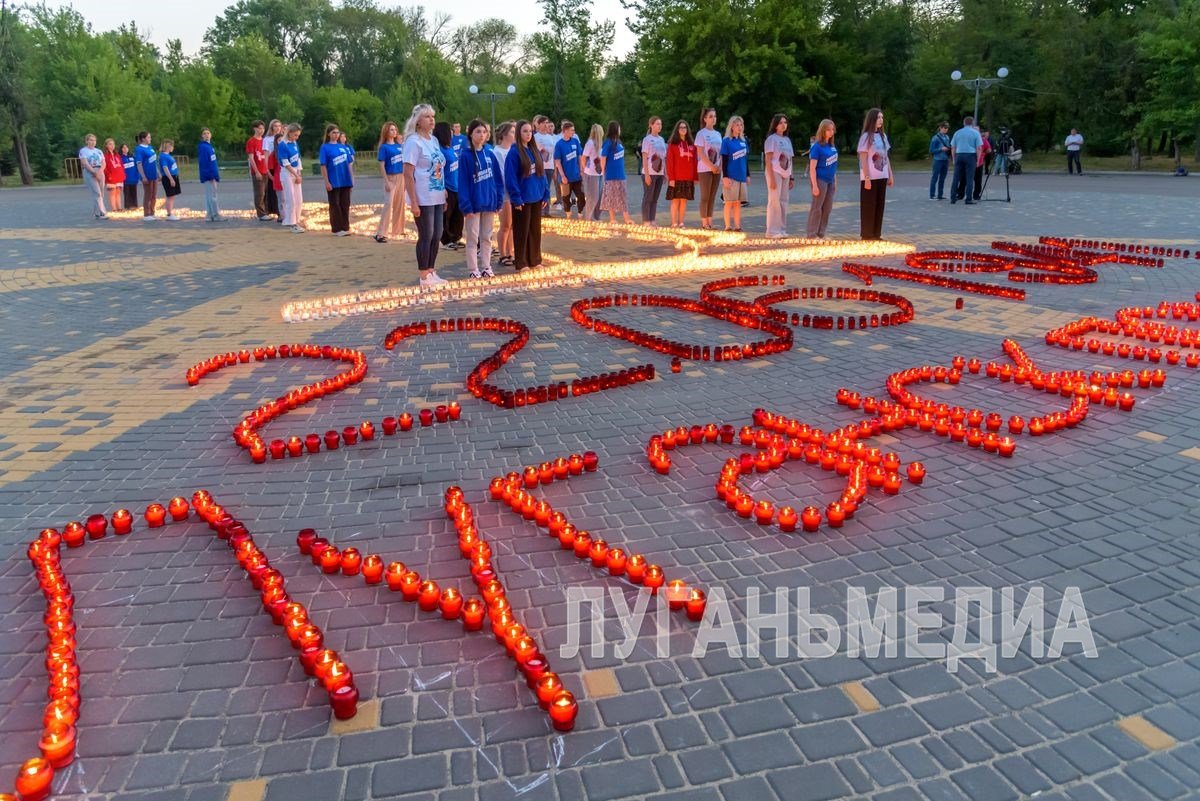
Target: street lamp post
{"type": "Point", "coordinates": [473, 89]}
{"type": "Point", "coordinates": [978, 84]}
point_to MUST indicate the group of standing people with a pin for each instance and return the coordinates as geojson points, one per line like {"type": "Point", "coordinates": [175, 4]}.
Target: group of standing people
{"type": "Point", "coordinates": [971, 151]}
{"type": "Point", "coordinates": [113, 174]}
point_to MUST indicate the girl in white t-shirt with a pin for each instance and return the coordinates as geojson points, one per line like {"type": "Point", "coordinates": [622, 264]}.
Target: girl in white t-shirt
{"type": "Point", "coordinates": [874, 174]}
{"type": "Point", "coordinates": [592, 174]}
{"type": "Point", "coordinates": [778, 157]}
{"type": "Point", "coordinates": [91, 161]}
{"type": "Point", "coordinates": [654, 167]}
{"type": "Point", "coordinates": [425, 182]}
{"type": "Point", "coordinates": [708, 164]}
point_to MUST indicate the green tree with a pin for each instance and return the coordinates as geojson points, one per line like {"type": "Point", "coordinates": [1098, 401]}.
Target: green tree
{"type": "Point", "coordinates": [1170, 49]}
{"type": "Point", "coordinates": [273, 86]}
{"type": "Point", "coordinates": [569, 51]}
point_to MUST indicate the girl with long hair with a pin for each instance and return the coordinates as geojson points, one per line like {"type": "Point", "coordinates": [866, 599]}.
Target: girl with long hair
{"type": "Point", "coordinates": [525, 176]}
{"type": "Point", "coordinates": [822, 177]}
{"type": "Point", "coordinates": [612, 163]}
{"type": "Point", "coordinates": [874, 174]}
{"type": "Point", "coordinates": [287, 153]}
{"type": "Point", "coordinates": [708, 164]}
{"type": "Point", "coordinates": [735, 167]}
{"type": "Point", "coordinates": [778, 156]}
{"type": "Point", "coordinates": [480, 195]}
{"type": "Point", "coordinates": [425, 183]}
{"type": "Point", "coordinates": [452, 222]}
{"type": "Point", "coordinates": [337, 170]}
{"type": "Point", "coordinates": [592, 172]}
{"type": "Point", "coordinates": [506, 135]}
{"type": "Point", "coordinates": [129, 164]}
{"type": "Point", "coordinates": [391, 167]}
{"type": "Point", "coordinates": [273, 136]}
{"type": "Point", "coordinates": [654, 158]}
{"type": "Point", "coordinates": [681, 172]}
{"type": "Point", "coordinates": [114, 175]}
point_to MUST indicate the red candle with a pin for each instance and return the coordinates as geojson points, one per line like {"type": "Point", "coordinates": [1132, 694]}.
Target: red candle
{"type": "Point", "coordinates": [351, 562]}
{"type": "Point", "coordinates": [337, 675]}
{"type": "Point", "coordinates": [122, 521]}
{"type": "Point", "coordinates": [258, 453]}
{"type": "Point", "coordinates": [33, 780]}
{"type": "Point", "coordinates": [836, 514]}
{"type": "Point", "coordinates": [350, 435]}
{"type": "Point", "coordinates": [472, 614]}
{"type": "Point", "coordinates": [454, 409]}
{"type": "Point", "coordinates": [332, 438]}
{"type": "Point", "coordinates": [524, 649]}
{"type": "Point", "coordinates": [323, 662]}
{"type": "Point", "coordinates": [331, 560]}
{"type": "Point", "coordinates": [616, 561]}
{"type": "Point", "coordinates": [58, 744]}
{"type": "Point", "coordinates": [344, 701]}
{"type": "Point", "coordinates": [178, 507]}
{"type": "Point", "coordinates": [695, 604]}
{"type": "Point", "coordinates": [916, 472]}
{"type": "Point", "coordinates": [676, 593]}
{"type": "Point", "coordinates": [635, 567]}
{"type": "Point", "coordinates": [410, 586]}
{"type": "Point", "coordinates": [547, 686]}
{"type": "Point", "coordinates": [1007, 446]}
{"type": "Point", "coordinates": [96, 526]}
{"type": "Point", "coordinates": [372, 569]}
{"type": "Point", "coordinates": [787, 519]}
{"type": "Point", "coordinates": [575, 464]}
{"type": "Point", "coordinates": [764, 512]}
{"type": "Point", "coordinates": [451, 603]}
{"type": "Point", "coordinates": [305, 539]}
{"type": "Point", "coordinates": [426, 416]}
{"type": "Point", "coordinates": [60, 711]}
{"type": "Point", "coordinates": [406, 422]}
{"type": "Point", "coordinates": [278, 448]}
{"type": "Point", "coordinates": [563, 709]}
{"type": "Point", "coordinates": [428, 596]}
{"type": "Point", "coordinates": [394, 575]}
{"type": "Point", "coordinates": [590, 461]}
{"type": "Point", "coordinates": [442, 413]}
{"type": "Point", "coordinates": [810, 517]}
{"type": "Point", "coordinates": [598, 553]}
{"type": "Point", "coordinates": [156, 515]}
{"type": "Point", "coordinates": [366, 430]}
{"type": "Point", "coordinates": [654, 578]}
{"type": "Point", "coordinates": [744, 506]}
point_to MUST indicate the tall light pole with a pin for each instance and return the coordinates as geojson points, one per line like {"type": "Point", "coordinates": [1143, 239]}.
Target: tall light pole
{"type": "Point", "coordinates": [473, 89]}
{"type": "Point", "coordinates": [979, 83]}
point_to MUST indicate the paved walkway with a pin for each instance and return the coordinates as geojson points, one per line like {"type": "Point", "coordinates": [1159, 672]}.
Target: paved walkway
{"type": "Point", "coordinates": [191, 693]}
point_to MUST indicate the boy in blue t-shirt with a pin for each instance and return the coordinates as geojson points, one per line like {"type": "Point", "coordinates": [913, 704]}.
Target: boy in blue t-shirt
{"type": "Point", "coordinates": [210, 175]}
{"type": "Point", "coordinates": [567, 152]}
{"type": "Point", "coordinates": [147, 167]}
{"type": "Point", "coordinates": [169, 171]}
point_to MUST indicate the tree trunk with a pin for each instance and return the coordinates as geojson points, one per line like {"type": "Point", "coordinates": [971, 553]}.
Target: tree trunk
{"type": "Point", "coordinates": [1135, 154]}
{"type": "Point", "coordinates": [22, 156]}
{"type": "Point", "coordinates": [1178, 152]}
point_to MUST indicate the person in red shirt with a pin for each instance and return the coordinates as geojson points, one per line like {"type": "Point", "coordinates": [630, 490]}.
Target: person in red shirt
{"type": "Point", "coordinates": [982, 156]}
{"type": "Point", "coordinates": [681, 171]}
{"type": "Point", "coordinates": [114, 175]}
{"type": "Point", "coordinates": [259, 171]}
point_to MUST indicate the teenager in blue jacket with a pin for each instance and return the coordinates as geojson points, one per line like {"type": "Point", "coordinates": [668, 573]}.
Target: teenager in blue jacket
{"type": "Point", "coordinates": [525, 178]}
{"type": "Point", "coordinates": [210, 174]}
{"type": "Point", "coordinates": [480, 196]}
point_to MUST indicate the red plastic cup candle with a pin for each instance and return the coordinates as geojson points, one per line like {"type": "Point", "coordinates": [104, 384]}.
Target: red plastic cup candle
{"type": "Point", "coordinates": [312, 443]}
{"type": "Point", "coordinates": [122, 521]}
{"type": "Point", "coordinates": [60, 711]}
{"type": "Point", "coordinates": [410, 586]}
{"type": "Point", "coordinates": [389, 425]}
{"type": "Point", "coordinates": [676, 593]}
{"type": "Point", "coordinates": [350, 435]}
{"type": "Point", "coordinates": [372, 569]}
{"type": "Point", "coordinates": [337, 675]}
{"type": "Point", "coordinates": [451, 603]}
{"type": "Point", "coordinates": [366, 430]}
{"type": "Point", "coordinates": [836, 514]}
{"type": "Point", "coordinates": [428, 595]}
{"type": "Point", "coordinates": [33, 780]}
{"type": "Point", "coordinates": [394, 575]}
{"type": "Point", "coordinates": [351, 562]}
{"type": "Point", "coordinates": [563, 709]}
{"type": "Point", "coordinates": [524, 649]}
{"type": "Point", "coordinates": [58, 744]}
{"type": "Point", "coordinates": [764, 512]}
{"type": "Point", "coordinates": [330, 560]}
{"type": "Point", "coordinates": [787, 519]}
{"type": "Point", "coordinates": [305, 540]}
{"type": "Point", "coordinates": [635, 567]}
{"type": "Point", "coordinates": [916, 472]}
{"type": "Point", "coordinates": [332, 438]}
{"type": "Point", "coordinates": [156, 515]}
{"type": "Point", "coordinates": [454, 409]}
{"type": "Point", "coordinates": [96, 526]}
{"type": "Point", "coordinates": [406, 422]}
{"type": "Point", "coordinates": [1007, 446]}
{"type": "Point", "coordinates": [74, 534]}
{"type": "Point", "coordinates": [442, 413]}
{"type": "Point", "coordinates": [575, 464]}
{"type": "Point", "coordinates": [654, 578]}
{"type": "Point", "coordinates": [590, 461]}
{"type": "Point", "coordinates": [426, 416]}
{"type": "Point", "coordinates": [616, 561]}
{"type": "Point", "coordinates": [547, 686]}
{"type": "Point", "coordinates": [258, 453]}
{"type": "Point", "coordinates": [278, 448]}
{"type": "Point", "coordinates": [472, 614]}
{"type": "Point", "coordinates": [810, 518]}
{"type": "Point", "coordinates": [344, 701]}
{"type": "Point", "coordinates": [323, 662]}
{"type": "Point", "coordinates": [695, 604]}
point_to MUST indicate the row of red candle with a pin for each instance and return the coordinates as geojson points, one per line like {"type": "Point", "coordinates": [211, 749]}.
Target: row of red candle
{"type": "Point", "coordinates": [709, 292]}
{"type": "Point", "coordinates": [1052, 265]}
{"type": "Point", "coordinates": [265, 352]}
{"type": "Point", "coordinates": [365, 431]}
{"type": "Point", "coordinates": [1134, 323]}
{"type": "Point", "coordinates": [1081, 257]}
{"type": "Point", "coordinates": [513, 490]}
{"type": "Point", "coordinates": [518, 642]}
{"type": "Point", "coordinates": [868, 272]}
{"type": "Point", "coordinates": [904, 315]}
{"type": "Point", "coordinates": [1119, 247]}
{"type": "Point", "coordinates": [306, 637]}
{"type": "Point", "coordinates": [780, 341]}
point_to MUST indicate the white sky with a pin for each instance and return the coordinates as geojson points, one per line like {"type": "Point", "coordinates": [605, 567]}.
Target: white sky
{"type": "Point", "coordinates": [187, 21]}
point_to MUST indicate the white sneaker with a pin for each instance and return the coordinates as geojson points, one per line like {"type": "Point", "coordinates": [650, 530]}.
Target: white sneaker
{"type": "Point", "coordinates": [297, 229]}
{"type": "Point", "coordinates": [487, 272]}
{"type": "Point", "coordinates": [149, 218]}
{"type": "Point", "coordinates": [264, 217]}
{"type": "Point", "coordinates": [341, 233]}
{"type": "Point", "coordinates": [432, 280]}
{"type": "Point", "coordinates": [475, 273]}
{"type": "Point", "coordinates": [173, 217]}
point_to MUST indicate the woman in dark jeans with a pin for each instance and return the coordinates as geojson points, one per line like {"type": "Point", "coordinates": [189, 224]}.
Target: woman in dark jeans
{"type": "Point", "coordinates": [425, 183]}
{"type": "Point", "coordinates": [524, 175]}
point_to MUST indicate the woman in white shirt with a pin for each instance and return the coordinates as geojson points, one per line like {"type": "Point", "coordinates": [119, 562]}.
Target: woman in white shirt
{"type": "Point", "coordinates": [591, 172]}
{"type": "Point", "coordinates": [506, 134]}
{"type": "Point", "coordinates": [425, 182]}
{"type": "Point", "coordinates": [708, 164]}
{"type": "Point", "coordinates": [91, 161]}
{"type": "Point", "coordinates": [779, 157]}
{"type": "Point", "coordinates": [874, 175]}
{"type": "Point", "coordinates": [654, 169]}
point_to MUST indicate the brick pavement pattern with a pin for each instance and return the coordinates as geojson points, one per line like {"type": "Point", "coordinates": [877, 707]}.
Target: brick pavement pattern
{"type": "Point", "coordinates": [191, 693]}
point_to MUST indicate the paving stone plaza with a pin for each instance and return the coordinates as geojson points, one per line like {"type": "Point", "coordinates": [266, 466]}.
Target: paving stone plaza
{"type": "Point", "coordinates": [190, 691]}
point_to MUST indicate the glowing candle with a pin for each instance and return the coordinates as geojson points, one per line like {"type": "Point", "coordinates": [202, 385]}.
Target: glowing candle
{"type": "Point", "coordinates": [372, 569]}
{"type": "Point", "coordinates": [344, 701]}
{"type": "Point", "coordinates": [410, 586]}
{"type": "Point", "coordinates": [406, 422]}
{"type": "Point", "coordinates": [764, 512]}
{"type": "Point", "coordinates": [330, 559]}
{"type": "Point", "coordinates": [695, 604]}
{"type": "Point", "coordinates": [351, 562]}
{"type": "Point", "coordinates": [1007, 446]}
{"type": "Point", "coordinates": [122, 521]}
{"type": "Point", "coordinates": [616, 561]}
{"type": "Point", "coordinates": [563, 709]}
{"type": "Point", "coordinates": [810, 517]}
{"type": "Point", "coordinates": [455, 410]}
{"type": "Point", "coordinates": [58, 744]}
{"type": "Point", "coordinates": [547, 686]}
{"type": "Point", "coordinates": [575, 464]}
{"type": "Point", "coordinates": [156, 515]}
{"type": "Point", "coordinates": [428, 595]}
{"type": "Point", "coordinates": [337, 675]}
{"type": "Point", "coordinates": [787, 519]}
{"type": "Point", "coordinates": [33, 779]}
{"type": "Point", "coordinates": [472, 614]}
{"type": "Point", "coordinates": [676, 593]}
{"type": "Point", "coordinates": [654, 578]}
{"type": "Point", "coordinates": [451, 603]}
{"type": "Point", "coordinates": [635, 567]}
{"type": "Point", "coordinates": [916, 472]}
{"type": "Point", "coordinates": [836, 514]}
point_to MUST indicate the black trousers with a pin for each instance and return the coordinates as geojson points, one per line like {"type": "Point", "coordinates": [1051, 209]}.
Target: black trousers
{"type": "Point", "coordinates": [131, 196]}
{"type": "Point", "coordinates": [527, 235]}
{"type": "Point", "coordinates": [272, 199]}
{"type": "Point", "coordinates": [452, 227]}
{"type": "Point", "coordinates": [339, 208]}
{"type": "Point", "coordinates": [870, 208]}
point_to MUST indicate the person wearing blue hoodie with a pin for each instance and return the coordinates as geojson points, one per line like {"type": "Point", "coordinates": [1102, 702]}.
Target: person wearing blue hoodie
{"type": "Point", "coordinates": [525, 178]}
{"type": "Point", "coordinates": [452, 226]}
{"type": "Point", "coordinates": [210, 174]}
{"type": "Point", "coordinates": [480, 196]}
{"type": "Point", "coordinates": [129, 162]}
